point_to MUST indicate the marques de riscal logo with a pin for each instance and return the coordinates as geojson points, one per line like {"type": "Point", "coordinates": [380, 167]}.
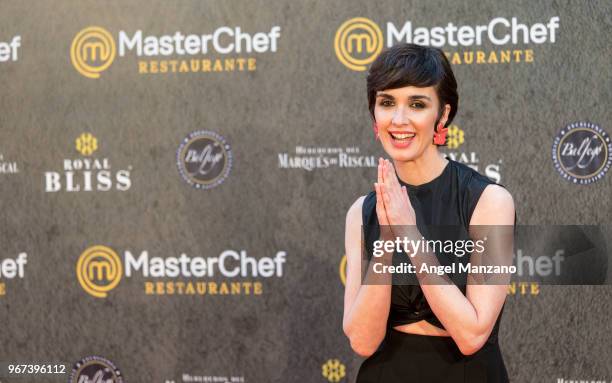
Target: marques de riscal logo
{"type": "Point", "coordinates": [7, 166]}
{"type": "Point", "coordinates": [99, 270]}
{"type": "Point", "coordinates": [204, 159]}
{"type": "Point", "coordinates": [9, 50]}
{"type": "Point", "coordinates": [11, 268]}
{"type": "Point", "coordinates": [222, 49]}
{"type": "Point", "coordinates": [581, 152]}
{"type": "Point", "coordinates": [311, 158]}
{"type": "Point", "coordinates": [358, 41]}
{"type": "Point", "coordinates": [87, 173]}
{"type": "Point", "coordinates": [95, 369]}
{"type": "Point", "coordinates": [189, 377]}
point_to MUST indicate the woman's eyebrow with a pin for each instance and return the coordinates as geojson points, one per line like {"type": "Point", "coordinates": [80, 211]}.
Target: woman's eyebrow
{"type": "Point", "coordinates": [412, 97]}
{"type": "Point", "coordinates": [419, 97]}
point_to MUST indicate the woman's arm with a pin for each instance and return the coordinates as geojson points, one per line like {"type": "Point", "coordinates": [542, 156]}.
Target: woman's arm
{"type": "Point", "coordinates": [366, 307]}
{"type": "Point", "coordinates": [470, 318]}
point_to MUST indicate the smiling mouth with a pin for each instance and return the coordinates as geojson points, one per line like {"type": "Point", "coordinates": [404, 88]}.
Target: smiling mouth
{"type": "Point", "coordinates": [402, 136]}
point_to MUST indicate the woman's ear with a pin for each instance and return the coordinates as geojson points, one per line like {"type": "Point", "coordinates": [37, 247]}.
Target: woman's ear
{"type": "Point", "coordinates": [445, 113]}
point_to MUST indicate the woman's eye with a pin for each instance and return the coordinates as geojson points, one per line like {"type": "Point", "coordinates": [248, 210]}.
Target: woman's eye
{"type": "Point", "coordinates": [386, 103]}
{"type": "Point", "coordinates": [417, 105]}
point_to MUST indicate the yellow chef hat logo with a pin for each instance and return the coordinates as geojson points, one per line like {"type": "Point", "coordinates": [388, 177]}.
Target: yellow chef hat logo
{"type": "Point", "coordinates": [92, 51]}
{"type": "Point", "coordinates": [358, 42]}
{"type": "Point", "coordinates": [99, 270]}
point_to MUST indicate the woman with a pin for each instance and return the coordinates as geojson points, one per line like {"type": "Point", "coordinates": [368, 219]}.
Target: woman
{"type": "Point", "coordinates": [425, 332]}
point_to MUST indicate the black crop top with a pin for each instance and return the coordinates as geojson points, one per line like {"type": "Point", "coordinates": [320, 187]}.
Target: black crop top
{"type": "Point", "coordinates": [449, 199]}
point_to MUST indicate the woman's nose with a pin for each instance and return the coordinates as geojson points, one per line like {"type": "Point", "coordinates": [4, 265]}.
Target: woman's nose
{"type": "Point", "coordinates": [401, 116]}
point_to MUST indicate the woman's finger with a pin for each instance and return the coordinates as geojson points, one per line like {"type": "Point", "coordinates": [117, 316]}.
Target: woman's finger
{"type": "Point", "coordinates": [387, 174]}
{"type": "Point", "coordinates": [385, 195]}
{"type": "Point", "coordinates": [391, 188]}
{"type": "Point", "coordinates": [379, 201]}
{"type": "Point", "coordinates": [392, 174]}
{"type": "Point", "coordinates": [405, 194]}
{"type": "Point", "coordinates": [381, 212]}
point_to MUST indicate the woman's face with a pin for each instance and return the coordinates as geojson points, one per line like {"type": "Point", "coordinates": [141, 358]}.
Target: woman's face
{"type": "Point", "coordinates": [405, 118]}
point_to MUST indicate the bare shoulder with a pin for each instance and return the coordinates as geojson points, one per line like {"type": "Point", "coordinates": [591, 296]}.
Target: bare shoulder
{"type": "Point", "coordinates": [354, 213]}
{"type": "Point", "coordinates": [495, 207]}
{"type": "Point", "coordinates": [495, 194]}
{"type": "Point", "coordinates": [352, 238]}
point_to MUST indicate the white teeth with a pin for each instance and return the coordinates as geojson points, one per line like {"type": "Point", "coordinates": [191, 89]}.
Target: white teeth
{"type": "Point", "coordinates": [402, 136]}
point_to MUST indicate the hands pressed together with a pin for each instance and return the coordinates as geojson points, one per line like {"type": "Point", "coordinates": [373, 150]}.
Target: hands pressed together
{"type": "Point", "coordinates": [393, 206]}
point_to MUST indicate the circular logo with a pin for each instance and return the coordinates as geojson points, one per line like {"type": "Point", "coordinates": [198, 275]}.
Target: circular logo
{"type": "Point", "coordinates": [95, 369]}
{"type": "Point", "coordinates": [99, 270]}
{"type": "Point", "coordinates": [342, 269]}
{"type": "Point", "coordinates": [92, 51]}
{"type": "Point", "coordinates": [204, 159]}
{"type": "Point", "coordinates": [358, 42]}
{"type": "Point", "coordinates": [581, 152]}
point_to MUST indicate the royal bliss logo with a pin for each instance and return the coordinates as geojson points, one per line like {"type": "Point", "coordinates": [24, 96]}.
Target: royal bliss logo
{"type": "Point", "coordinates": [87, 173]}
{"type": "Point", "coordinates": [456, 138]}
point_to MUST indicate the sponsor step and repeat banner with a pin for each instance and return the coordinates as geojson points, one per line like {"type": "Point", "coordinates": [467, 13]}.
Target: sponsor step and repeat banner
{"type": "Point", "coordinates": [175, 176]}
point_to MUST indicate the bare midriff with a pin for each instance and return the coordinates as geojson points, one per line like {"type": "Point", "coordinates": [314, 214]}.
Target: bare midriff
{"type": "Point", "coordinates": [421, 328]}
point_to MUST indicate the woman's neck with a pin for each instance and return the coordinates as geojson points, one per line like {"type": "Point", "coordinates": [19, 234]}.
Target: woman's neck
{"type": "Point", "coordinates": [423, 169]}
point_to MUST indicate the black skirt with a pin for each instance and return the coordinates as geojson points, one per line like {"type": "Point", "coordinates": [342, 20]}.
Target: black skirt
{"type": "Point", "coordinates": [410, 358]}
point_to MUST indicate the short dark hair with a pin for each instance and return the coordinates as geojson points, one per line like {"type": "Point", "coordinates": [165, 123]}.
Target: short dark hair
{"type": "Point", "coordinates": [414, 65]}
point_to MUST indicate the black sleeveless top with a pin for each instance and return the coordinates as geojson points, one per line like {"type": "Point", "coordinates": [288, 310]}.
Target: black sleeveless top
{"type": "Point", "coordinates": [449, 199]}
